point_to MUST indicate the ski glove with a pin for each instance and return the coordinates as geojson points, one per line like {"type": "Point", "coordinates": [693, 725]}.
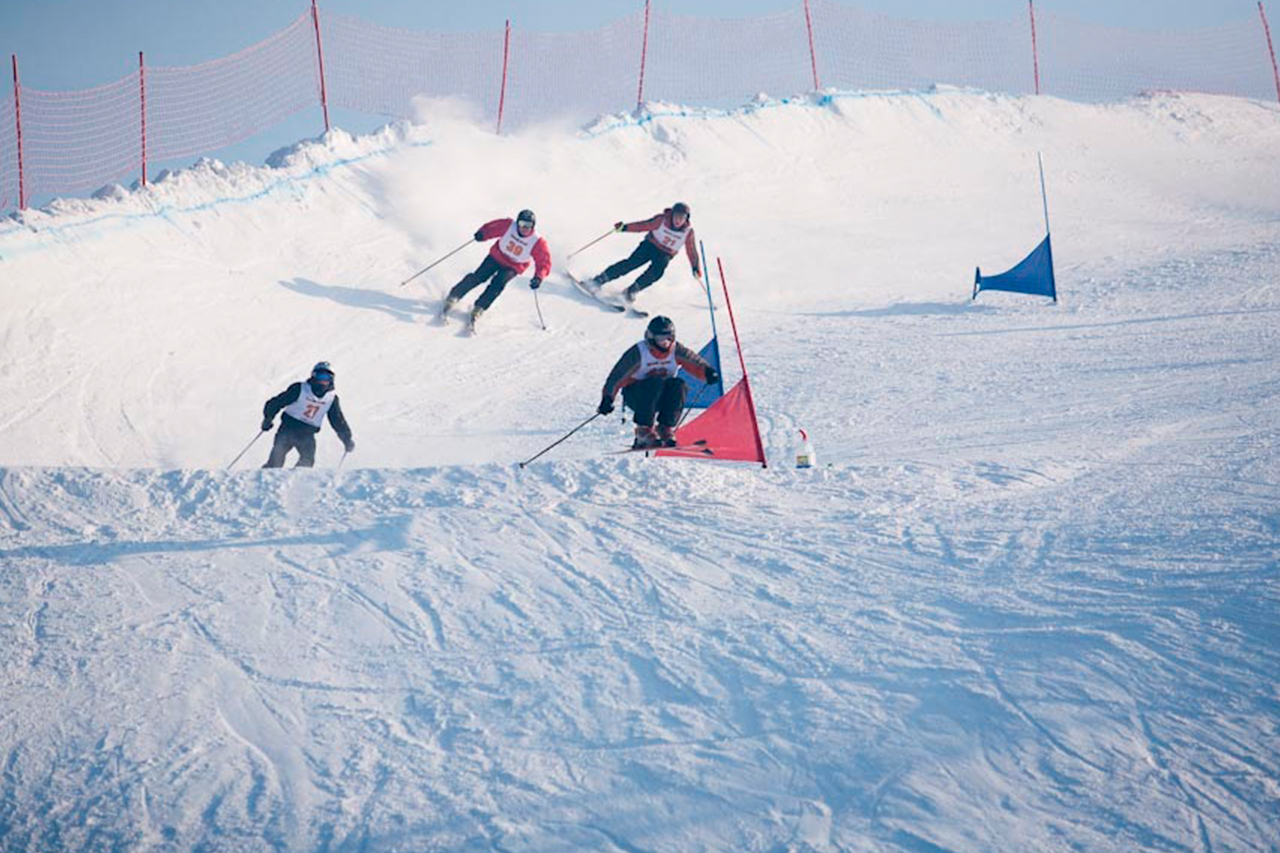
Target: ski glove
{"type": "Point", "coordinates": [606, 405]}
{"type": "Point", "coordinates": [479, 235]}
{"type": "Point", "coordinates": [349, 444]}
{"type": "Point", "coordinates": [535, 283]}
{"type": "Point", "coordinates": [711, 375]}
{"type": "Point", "coordinates": [619, 226]}
{"type": "Point", "coordinates": [697, 273]}
{"type": "Point", "coordinates": [266, 424]}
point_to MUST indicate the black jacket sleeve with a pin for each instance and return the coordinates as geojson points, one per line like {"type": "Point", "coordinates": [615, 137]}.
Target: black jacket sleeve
{"type": "Point", "coordinates": [625, 366]}
{"type": "Point", "coordinates": [338, 421]}
{"type": "Point", "coordinates": [278, 402]}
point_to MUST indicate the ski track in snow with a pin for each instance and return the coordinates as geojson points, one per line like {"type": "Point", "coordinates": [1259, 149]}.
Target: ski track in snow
{"type": "Point", "coordinates": [1027, 601]}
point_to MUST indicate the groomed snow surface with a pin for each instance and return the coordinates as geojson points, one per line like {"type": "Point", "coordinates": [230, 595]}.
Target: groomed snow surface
{"type": "Point", "coordinates": [1027, 602]}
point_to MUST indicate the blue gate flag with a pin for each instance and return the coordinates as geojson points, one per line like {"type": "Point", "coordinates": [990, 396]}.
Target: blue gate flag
{"type": "Point", "coordinates": [701, 396]}
{"type": "Point", "coordinates": [1034, 275]}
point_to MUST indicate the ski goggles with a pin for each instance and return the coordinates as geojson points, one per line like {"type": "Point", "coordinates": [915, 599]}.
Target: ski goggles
{"type": "Point", "coordinates": [663, 341]}
{"type": "Point", "coordinates": [322, 377]}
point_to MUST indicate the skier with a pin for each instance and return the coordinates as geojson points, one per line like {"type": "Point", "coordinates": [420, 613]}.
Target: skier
{"type": "Point", "coordinates": [647, 373]}
{"type": "Point", "coordinates": [511, 255]}
{"type": "Point", "coordinates": [668, 231]}
{"type": "Point", "coordinates": [305, 405]}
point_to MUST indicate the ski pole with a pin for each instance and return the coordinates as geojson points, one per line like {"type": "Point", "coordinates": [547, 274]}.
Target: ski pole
{"type": "Point", "coordinates": [589, 245]}
{"type": "Point", "coordinates": [246, 448]}
{"type": "Point", "coordinates": [562, 438]}
{"type": "Point", "coordinates": [437, 263]}
{"type": "Point", "coordinates": [343, 459]}
{"type": "Point", "coordinates": [539, 307]}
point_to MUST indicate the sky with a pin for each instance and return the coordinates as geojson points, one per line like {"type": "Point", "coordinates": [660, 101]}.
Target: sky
{"type": "Point", "coordinates": [74, 44]}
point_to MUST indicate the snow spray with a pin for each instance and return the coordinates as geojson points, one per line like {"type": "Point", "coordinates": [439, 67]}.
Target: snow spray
{"type": "Point", "coordinates": [805, 458]}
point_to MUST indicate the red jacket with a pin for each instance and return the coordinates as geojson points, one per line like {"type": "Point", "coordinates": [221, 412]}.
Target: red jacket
{"type": "Point", "coordinates": [541, 254]}
{"type": "Point", "coordinates": [651, 225]}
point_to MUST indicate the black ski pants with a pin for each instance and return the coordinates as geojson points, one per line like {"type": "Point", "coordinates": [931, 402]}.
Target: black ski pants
{"type": "Point", "coordinates": [490, 269]}
{"type": "Point", "coordinates": [646, 253]}
{"type": "Point", "coordinates": [661, 395]}
{"type": "Point", "coordinates": [293, 435]}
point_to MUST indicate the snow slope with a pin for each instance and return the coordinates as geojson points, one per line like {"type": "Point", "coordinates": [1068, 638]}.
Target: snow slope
{"type": "Point", "coordinates": [1028, 602]}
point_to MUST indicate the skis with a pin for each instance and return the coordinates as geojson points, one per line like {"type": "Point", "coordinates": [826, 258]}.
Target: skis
{"type": "Point", "coordinates": [442, 319]}
{"type": "Point", "coordinates": [595, 294]}
{"type": "Point", "coordinates": [699, 446]}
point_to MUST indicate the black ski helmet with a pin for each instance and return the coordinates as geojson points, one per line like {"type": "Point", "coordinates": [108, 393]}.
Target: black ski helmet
{"type": "Point", "coordinates": [659, 327]}
{"type": "Point", "coordinates": [526, 215]}
{"type": "Point", "coordinates": [681, 207]}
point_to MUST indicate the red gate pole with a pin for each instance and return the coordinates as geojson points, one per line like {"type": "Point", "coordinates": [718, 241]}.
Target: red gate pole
{"type": "Point", "coordinates": [142, 97]}
{"type": "Point", "coordinates": [1271, 47]}
{"type": "Point", "coordinates": [506, 52]}
{"type": "Point", "coordinates": [1035, 48]}
{"type": "Point", "coordinates": [324, 94]}
{"type": "Point", "coordinates": [751, 403]}
{"type": "Point", "coordinates": [644, 54]}
{"type": "Point", "coordinates": [1031, 4]}
{"type": "Point", "coordinates": [813, 56]}
{"type": "Point", "coordinates": [17, 115]}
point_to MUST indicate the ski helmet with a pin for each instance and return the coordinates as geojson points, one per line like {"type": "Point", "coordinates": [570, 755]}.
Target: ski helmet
{"type": "Point", "coordinates": [322, 372]}
{"type": "Point", "coordinates": [681, 207]}
{"type": "Point", "coordinates": [660, 329]}
{"type": "Point", "coordinates": [526, 215]}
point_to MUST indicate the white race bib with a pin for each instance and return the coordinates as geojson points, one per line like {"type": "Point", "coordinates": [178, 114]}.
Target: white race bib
{"type": "Point", "coordinates": [309, 408]}
{"type": "Point", "coordinates": [670, 239]}
{"type": "Point", "coordinates": [517, 249]}
{"type": "Point", "coordinates": [651, 365]}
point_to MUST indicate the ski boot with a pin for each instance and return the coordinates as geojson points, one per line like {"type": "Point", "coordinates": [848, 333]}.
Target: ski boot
{"type": "Point", "coordinates": [629, 296]}
{"type": "Point", "coordinates": [666, 436]}
{"type": "Point", "coordinates": [646, 438]}
{"type": "Point", "coordinates": [447, 306]}
{"type": "Point", "coordinates": [473, 317]}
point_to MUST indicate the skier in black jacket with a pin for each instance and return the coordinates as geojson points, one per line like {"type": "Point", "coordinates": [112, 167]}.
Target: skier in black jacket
{"type": "Point", "coordinates": [305, 406]}
{"type": "Point", "coordinates": [648, 376]}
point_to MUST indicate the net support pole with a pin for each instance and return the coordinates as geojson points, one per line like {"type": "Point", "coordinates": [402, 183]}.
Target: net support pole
{"type": "Point", "coordinates": [502, 93]}
{"type": "Point", "coordinates": [17, 118]}
{"type": "Point", "coordinates": [142, 100]}
{"type": "Point", "coordinates": [324, 92]}
{"type": "Point", "coordinates": [1266, 28]}
{"type": "Point", "coordinates": [813, 55]}
{"type": "Point", "coordinates": [644, 56]}
{"type": "Point", "coordinates": [737, 342]}
{"type": "Point", "coordinates": [1035, 46]}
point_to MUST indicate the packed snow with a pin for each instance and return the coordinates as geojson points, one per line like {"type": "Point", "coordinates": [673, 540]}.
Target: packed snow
{"type": "Point", "coordinates": [1026, 601]}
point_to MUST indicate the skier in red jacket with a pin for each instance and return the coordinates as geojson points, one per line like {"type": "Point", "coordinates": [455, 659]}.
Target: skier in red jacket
{"type": "Point", "coordinates": [668, 232]}
{"type": "Point", "coordinates": [518, 245]}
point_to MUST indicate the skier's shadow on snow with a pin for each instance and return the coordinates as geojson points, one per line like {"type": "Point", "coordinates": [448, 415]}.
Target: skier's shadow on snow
{"type": "Point", "coordinates": [399, 307]}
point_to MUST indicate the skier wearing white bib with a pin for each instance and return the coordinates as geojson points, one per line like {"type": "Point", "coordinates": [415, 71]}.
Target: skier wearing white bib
{"type": "Point", "coordinates": [518, 246]}
{"type": "Point", "coordinates": [305, 406]}
{"type": "Point", "coordinates": [648, 374]}
{"type": "Point", "coordinates": [668, 233]}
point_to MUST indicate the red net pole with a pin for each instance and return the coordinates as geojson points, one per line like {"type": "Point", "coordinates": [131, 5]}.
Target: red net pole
{"type": "Point", "coordinates": [737, 342]}
{"type": "Point", "coordinates": [644, 54]}
{"type": "Point", "coordinates": [813, 56]}
{"type": "Point", "coordinates": [324, 95]}
{"type": "Point", "coordinates": [1035, 47]}
{"type": "Point", "coordinates": [506, 53]}
{"type": "Point", "coordinates": [142, 98]}
{"type": "Point", "coordinates": [1266, 28]}
{"type": "Point", "coordinates": [17, 117]}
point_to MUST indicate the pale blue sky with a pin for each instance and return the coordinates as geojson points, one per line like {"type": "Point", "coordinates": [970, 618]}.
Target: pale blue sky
{"type": "Point", "coordinates": [68, 44]}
